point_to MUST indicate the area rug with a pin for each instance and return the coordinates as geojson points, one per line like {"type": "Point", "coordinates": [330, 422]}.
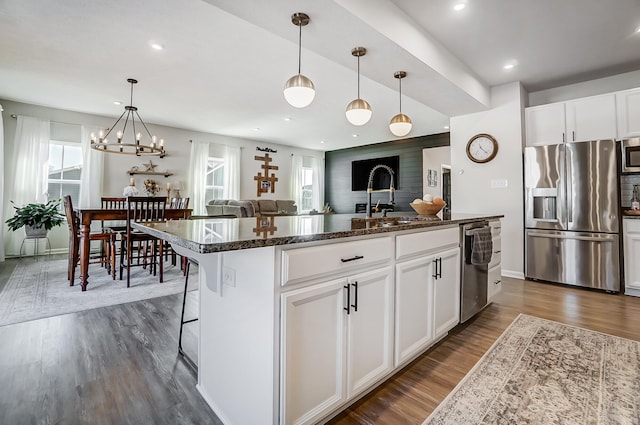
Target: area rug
{"type": "Point", "coordinates": [40, 289]}
{"type": "Point", "coordinates": [544, 372]}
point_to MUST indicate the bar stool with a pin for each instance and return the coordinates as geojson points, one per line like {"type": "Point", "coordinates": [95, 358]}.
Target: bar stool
{"type": "Point", "coordinates": [183, 322]}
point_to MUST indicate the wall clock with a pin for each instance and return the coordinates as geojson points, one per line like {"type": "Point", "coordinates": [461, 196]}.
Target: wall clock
{"type": "Point", "coordinates": [482, 148]}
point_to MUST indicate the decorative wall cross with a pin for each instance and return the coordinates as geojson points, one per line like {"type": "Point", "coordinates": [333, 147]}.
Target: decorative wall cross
{"type": "Point", "coordinates": [265, 183]}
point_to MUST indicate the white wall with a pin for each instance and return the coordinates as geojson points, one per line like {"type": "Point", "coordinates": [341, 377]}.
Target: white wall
{"type": "Point", "coordinates": [473, 185]}
{"type": "Point", "coordinates": [177, 160]}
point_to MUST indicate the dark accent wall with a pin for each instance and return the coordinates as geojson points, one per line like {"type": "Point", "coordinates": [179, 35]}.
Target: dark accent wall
{"type": "Point", "coordinates": [338, 191]}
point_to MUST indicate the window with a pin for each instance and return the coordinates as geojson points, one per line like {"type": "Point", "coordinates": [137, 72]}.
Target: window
{"type": "Point", "coordinates": [214, 186]}
{"type": "Point", "coordinates": [65, 168]}
{"type": "Point", "coordinates": [307, 189]}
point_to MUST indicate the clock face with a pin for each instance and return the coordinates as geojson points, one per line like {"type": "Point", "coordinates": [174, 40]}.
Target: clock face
{"type": "Point", "coordinates": [482, 148]}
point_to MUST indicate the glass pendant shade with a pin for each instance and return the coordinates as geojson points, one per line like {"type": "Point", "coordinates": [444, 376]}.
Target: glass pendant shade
{"type": "Point", "coordinates": [400, 125]}
{"type": "Point", "coordinates": [358, 112]}
{"type": "Point", "coordinates": [299, 91]}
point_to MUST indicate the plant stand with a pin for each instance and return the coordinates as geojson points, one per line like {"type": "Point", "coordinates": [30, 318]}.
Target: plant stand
{"type": "Point", "coordinates": [35, 240]}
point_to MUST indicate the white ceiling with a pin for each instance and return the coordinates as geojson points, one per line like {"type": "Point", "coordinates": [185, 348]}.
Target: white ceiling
{"type": "Point", "coordinates": [225, 62]}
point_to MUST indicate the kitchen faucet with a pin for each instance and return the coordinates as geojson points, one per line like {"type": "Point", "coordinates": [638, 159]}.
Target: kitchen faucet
{"type": "Point", "coordinates": [370, 190]}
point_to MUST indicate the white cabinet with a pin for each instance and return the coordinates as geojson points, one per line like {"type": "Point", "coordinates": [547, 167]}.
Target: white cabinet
{"type": "Point", "coordinates": [591, 118]}
{"type": "Point", "coordinates": [545, 124]}
{"type": "Point", "coordinates": [337, 341]}
{"type": "Point", "coordinates": [446, 289]}
{"type": "Point", "coordinates": [631, 242]}
{"type": "Point", "coordinates": [427, 293]}
{"type": "Point", "coordinates": [579, 120]}
{"type": "Point", "coordinates": [495, 265]}
{"type": "Point", "coordinates": [628, 112]}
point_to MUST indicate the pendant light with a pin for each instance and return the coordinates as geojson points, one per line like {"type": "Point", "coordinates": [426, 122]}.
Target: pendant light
{"type": "Point", "coordinates": [358, 111]}
{"type": "Point", "coordinates": [299, 90]}
{"type": "Point", "coordinates": [400, 125]}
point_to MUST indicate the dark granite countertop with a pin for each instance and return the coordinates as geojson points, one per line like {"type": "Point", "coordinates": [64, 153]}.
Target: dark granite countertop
{"type": "Point", "coordinates": [228, 234]}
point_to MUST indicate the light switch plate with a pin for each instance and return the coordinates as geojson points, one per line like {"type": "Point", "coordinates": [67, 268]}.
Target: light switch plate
{"type": "Point", "coordinates": [499, 183]}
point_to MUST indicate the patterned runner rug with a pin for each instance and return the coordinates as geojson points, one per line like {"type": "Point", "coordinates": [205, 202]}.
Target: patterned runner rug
{"type": "Point", "coordinates": [544, 372]}
{"type": "Point", "coordinates": [40, 289]}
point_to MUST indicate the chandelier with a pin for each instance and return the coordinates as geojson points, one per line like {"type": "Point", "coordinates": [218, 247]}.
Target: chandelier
{"type": "Point", "coordinates": [135, 147]}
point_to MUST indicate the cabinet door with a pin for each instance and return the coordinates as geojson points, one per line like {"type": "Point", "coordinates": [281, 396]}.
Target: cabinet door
{"type": "Point", "coordinates": [313, 346]}
{"type": "Point", "coordinates": [545, 124]}
{"type": "Point", "coordinates": [446, 290]}
{"type": "Point", "coordinates": [631, 253]}
{"type": "Point", "coordinates": [591, 118]}
{"type": "Point", "coordinates": [369, 329]}
{"type": "Point", "coordinates": [628, 111]}
{"type": "Point", "coordinates": [414, 313]}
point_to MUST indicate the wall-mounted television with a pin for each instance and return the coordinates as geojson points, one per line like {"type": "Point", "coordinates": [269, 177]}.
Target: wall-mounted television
{"type": "Point", "coordinates": [381, 180]}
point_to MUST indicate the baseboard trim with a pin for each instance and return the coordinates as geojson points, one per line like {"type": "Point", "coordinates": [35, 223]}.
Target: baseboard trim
{"type": "Point", "coordinates": [513, 274]}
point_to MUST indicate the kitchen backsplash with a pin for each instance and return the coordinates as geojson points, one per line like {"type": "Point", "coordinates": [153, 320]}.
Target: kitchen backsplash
{"type": "Point", "coordinates": [626, 188]}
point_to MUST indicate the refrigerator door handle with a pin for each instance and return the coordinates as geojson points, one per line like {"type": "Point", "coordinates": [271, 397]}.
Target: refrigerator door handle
{"type": "Point", "coordinates": [604, 238]}
{"type": "Point", "coordinates": [569, 183]}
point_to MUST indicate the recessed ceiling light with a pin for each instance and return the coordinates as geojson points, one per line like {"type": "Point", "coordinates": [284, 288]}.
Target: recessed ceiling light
{"type": "Point", "coordinates": [117, 102]}
{"type": "Point", "coordinates": [287, 119]}
{"type": "Point", "coordinates": [459, 6]}
{"type": "Point", "coordinates": [256, 129]}
{"type": "Point", "coordinates": [638, 29]}
{"type": "Point", "coordinates": [354, 135]}
{"type": "Point", "coordinates": [446, 127]}
{"type": "Point", "coordinates": [321, 141]}
{"type": "Point", "coordinates": [156, 46]}
{"type": "Point", "coordinates": [508, 66]}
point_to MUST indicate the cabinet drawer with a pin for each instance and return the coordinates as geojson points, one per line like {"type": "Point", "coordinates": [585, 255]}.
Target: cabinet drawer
{"type": "Point", "coordinates": [316, 261]}
{"type": "Point", "coordinates": [425, 242]}
{"type": "Point", "coordinates": [496, 255]}
{"type": "Point", "coordinates": [631, 225]}
{"type": "Point", "coordinates": [496, 228]}
{"type": "Point", "coordinates": [494, 282]}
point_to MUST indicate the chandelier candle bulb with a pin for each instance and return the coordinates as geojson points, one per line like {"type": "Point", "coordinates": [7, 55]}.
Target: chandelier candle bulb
{"type": "Point", "coordinates": [132, 182]}
{"type": "Point", "coordinates": [168, 186]}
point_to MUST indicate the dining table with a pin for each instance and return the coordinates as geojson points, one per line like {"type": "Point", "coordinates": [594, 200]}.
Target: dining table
{"type": "Point", "coordinates": [88, 215]}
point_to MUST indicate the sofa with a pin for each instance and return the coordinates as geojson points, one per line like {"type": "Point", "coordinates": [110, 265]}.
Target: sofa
{"type": "Point", "coordinates": [251, 208]}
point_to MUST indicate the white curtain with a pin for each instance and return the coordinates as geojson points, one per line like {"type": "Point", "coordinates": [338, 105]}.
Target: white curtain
{"type": "Point", "coordinates": [31, 161]}
{"type": "Point", "coordinates": [317, 165]}
{"type": "Point", "coordinates": [92, 171]}
{"type": "Point", "coordinates": [197, 178]}
{"type": "Point", "coordinates": [296, 180]}
{"type": "Point", "coordinates": [298, 163]}
{"type": "Point", "coordinates": [4, 167]}
{"type": "Point", "coordinates": [231, 156]}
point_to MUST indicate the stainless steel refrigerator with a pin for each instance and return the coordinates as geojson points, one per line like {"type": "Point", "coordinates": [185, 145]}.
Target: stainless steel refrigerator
{"type": "Point", "coordinates": [571, 214]}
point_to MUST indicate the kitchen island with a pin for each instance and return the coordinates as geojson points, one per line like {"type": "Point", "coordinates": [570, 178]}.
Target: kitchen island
{"type": "Point", "coordinates": [302, 315]}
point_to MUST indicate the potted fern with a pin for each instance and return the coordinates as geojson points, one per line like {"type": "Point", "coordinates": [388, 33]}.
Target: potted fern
{"type": "Point", "coordinates": [37, 219]}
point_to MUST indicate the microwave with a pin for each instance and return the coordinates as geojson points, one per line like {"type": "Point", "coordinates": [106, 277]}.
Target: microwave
{"type": "Point", "coordinates": [631, 155]}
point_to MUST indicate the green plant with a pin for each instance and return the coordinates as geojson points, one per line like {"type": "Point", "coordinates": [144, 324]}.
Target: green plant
{"type": "Point", "coordinates": [36, 216]}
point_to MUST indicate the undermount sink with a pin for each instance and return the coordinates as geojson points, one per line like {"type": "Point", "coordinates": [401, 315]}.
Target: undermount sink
{"type": "Point", "coordinates": [377, 222]}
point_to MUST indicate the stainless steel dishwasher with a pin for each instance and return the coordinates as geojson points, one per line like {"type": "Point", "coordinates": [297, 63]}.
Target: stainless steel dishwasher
{"type": "Point", "coordinates": [474, 277]}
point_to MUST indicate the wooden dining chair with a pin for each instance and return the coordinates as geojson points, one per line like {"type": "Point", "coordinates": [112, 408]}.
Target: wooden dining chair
{"type": "Point", "coordinates": [107, 256]}
{"type": "Point", "coordinates": [138, 248]}
{"type": "Point", "coordinates": [179, 203]}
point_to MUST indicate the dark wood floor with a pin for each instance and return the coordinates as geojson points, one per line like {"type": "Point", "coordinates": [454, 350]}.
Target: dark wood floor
{"type": "Point", "coordinates": [118, 364]}
{"type": "Point", "coordinates": [111, 365]}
